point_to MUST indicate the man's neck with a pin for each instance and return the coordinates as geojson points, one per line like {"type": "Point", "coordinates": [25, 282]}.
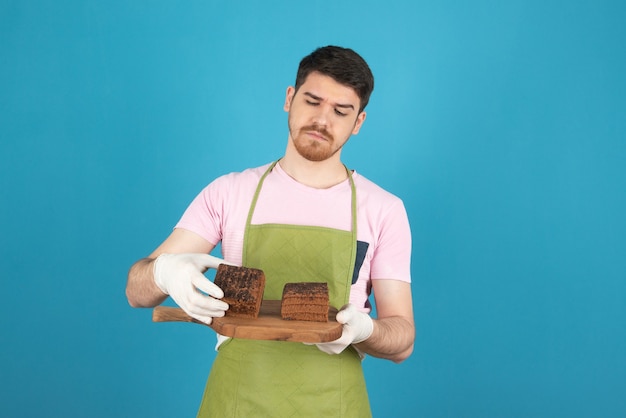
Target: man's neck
{"type": "Point", "coordinates": [316, 174]}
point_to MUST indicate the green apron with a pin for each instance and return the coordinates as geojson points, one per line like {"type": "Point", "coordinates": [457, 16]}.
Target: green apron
{"type": "Point", "coordinates": [251, 378]}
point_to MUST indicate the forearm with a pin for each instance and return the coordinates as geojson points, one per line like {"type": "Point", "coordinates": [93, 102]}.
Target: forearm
{"type": "Point", "coordinates": [391, 339]}
{"type": "Point", "coordinates": [141, 291]}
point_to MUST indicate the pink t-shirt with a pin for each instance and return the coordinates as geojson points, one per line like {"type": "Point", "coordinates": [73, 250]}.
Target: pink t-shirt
{"type": "Point", "coordinates": [219, 212]}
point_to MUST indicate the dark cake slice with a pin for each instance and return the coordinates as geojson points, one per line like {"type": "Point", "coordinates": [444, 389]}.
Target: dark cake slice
{"type": "Point", "coordinates": [305, 301]}
{"type": "Point", "coordinates": [243, 289]}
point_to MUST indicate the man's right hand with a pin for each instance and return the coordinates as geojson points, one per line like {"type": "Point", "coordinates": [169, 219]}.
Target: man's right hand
{"type": "Point", "coordinates": [182, 277]}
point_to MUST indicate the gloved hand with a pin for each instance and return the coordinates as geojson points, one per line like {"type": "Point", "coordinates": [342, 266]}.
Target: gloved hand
{"type": "Point", "coordinates": [182, 277]}
{"type": "Point", "coordinates": [357, 327]}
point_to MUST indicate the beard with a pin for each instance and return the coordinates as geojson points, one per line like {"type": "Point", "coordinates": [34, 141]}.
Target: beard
{"type": "Point", "coordinates": [311, 149]}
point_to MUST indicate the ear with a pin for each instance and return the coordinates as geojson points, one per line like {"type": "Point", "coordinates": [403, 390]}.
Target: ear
{"type": "Point", "coordinates": [288, 97]}
{"type": "Point", "coordinates": [359, 122]}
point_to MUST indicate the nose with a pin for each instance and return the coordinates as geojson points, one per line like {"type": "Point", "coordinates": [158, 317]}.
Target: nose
{"type": "Point", "coordinates": [321, 115]}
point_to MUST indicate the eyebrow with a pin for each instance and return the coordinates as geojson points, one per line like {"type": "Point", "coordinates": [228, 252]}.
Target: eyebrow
{"type": "Point", "coordinates": [341, 105]}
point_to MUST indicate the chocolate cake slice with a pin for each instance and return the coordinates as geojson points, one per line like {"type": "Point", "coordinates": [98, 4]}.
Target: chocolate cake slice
{"type": "Point", "coordinates": [243, 289]}
{"type": "Point", "coordinates": [305, 301]}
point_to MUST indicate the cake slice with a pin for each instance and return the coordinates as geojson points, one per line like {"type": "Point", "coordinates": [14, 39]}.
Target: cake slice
{"type": "Point", "coordinates": [243, 289]}
{"type": "Point", "coordinates": [305, 301]}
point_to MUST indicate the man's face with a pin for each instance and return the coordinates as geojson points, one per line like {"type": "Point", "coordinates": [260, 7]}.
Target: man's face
{"type": "Point", "coordinates": [322, 115]}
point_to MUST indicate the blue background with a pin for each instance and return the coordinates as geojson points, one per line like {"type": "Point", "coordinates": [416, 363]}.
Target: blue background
{"type": "Point", "coordinates": [502, 125]}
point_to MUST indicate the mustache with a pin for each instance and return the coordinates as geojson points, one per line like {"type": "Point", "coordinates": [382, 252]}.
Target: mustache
{"type": "Point", "coordinates": [319, 129]}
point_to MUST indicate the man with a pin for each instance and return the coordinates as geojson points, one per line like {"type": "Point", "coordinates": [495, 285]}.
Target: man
{"type": "Point", "coordinates": [302, 218]}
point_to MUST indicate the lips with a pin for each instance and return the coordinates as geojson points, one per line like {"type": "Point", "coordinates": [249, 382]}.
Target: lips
{"type": "Point", "coordinates": [317, 135]}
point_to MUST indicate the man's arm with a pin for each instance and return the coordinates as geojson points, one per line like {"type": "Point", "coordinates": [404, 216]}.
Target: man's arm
{"type": "Point", "coordinates": [141, 290]}
{"type": "Point", "coordinates": [394, 329]}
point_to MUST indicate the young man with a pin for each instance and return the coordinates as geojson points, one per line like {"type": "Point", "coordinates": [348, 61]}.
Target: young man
{"type": "Point", "coordinates": [338, 225]}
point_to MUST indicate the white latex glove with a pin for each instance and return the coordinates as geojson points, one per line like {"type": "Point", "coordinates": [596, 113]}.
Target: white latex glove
{"type": "Point", "coordinates": [182, 277]}
{"type": "Point", "coordinates": [357, 327]}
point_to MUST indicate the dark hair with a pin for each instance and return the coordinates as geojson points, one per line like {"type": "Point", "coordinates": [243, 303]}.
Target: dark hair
{"type": "Point", "coordinates": [342, 64]}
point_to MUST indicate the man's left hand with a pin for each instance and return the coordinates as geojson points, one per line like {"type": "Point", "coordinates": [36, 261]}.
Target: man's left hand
{"type": "Point", "coordinates": [357, 327]}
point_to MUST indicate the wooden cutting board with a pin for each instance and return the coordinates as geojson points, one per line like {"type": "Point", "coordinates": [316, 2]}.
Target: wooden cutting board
{"type": "Point", "coordinates": [268, 326]}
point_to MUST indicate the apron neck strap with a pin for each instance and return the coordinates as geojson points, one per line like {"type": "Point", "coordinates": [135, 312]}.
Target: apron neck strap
{"type": "Point", "coordinates": [255, 198]}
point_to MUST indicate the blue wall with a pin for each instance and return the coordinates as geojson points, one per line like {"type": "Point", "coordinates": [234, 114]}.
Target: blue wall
{"type": "Point", "coordinates": [501, 124]}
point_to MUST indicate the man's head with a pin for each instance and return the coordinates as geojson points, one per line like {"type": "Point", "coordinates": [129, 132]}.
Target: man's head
{"type": "Point", "coordinates": [343, 65]}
